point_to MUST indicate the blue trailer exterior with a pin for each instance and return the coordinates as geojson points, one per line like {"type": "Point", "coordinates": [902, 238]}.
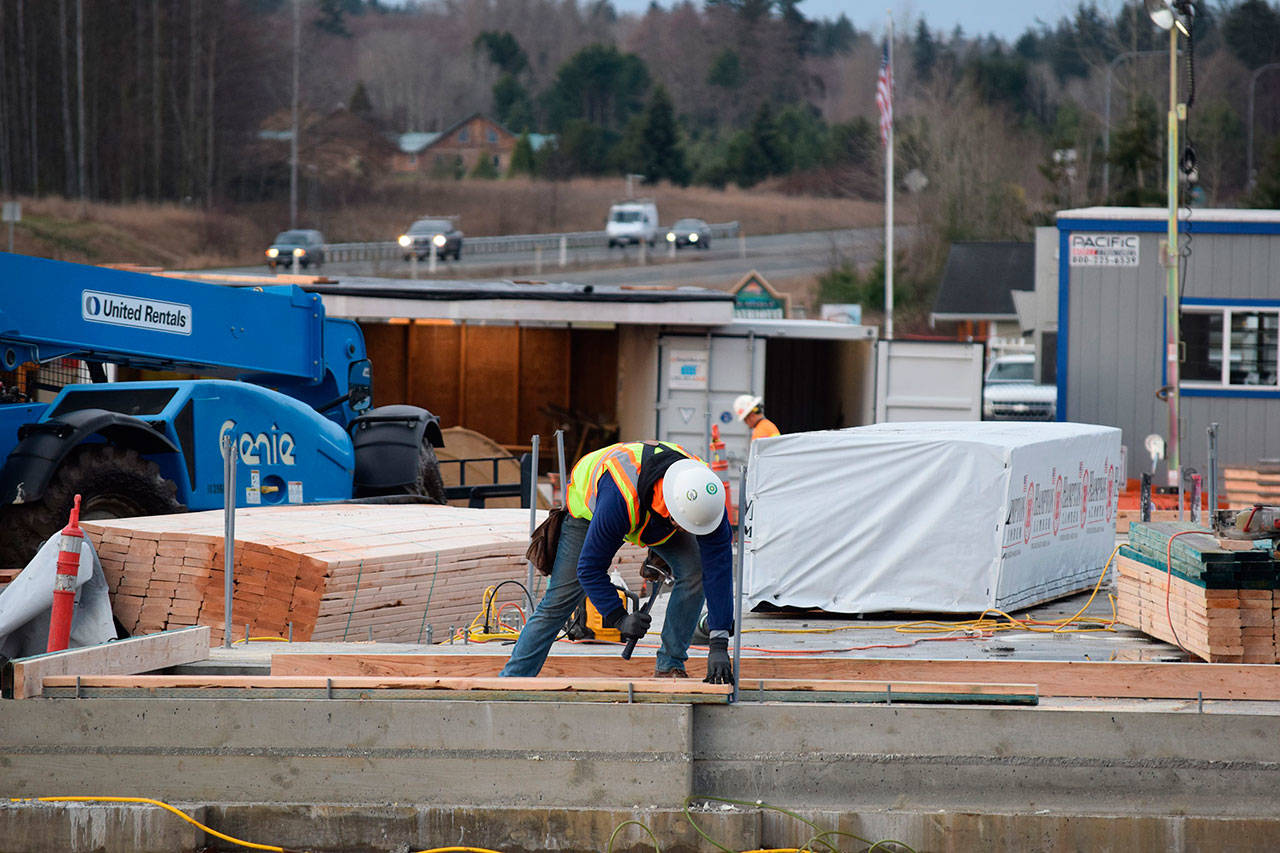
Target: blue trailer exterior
{"type": "Point", "coordinates": [1111, 328]}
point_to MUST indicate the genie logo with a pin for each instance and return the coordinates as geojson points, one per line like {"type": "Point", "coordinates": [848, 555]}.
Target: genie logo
{"type": "Point", "coordinates": [263, 448]}
{"type": "Point", "coordinates": [151, 314]}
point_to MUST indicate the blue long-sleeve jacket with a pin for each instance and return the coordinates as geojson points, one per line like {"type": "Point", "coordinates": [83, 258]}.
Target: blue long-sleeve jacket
{"type": "Point", "coordinates": [610, 523]}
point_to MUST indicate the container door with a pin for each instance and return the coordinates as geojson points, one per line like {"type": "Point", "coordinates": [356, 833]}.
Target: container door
{"type": "Point", "coordinates": [698, 377]}
{"type": "Point", "coordinates": [928, 381]}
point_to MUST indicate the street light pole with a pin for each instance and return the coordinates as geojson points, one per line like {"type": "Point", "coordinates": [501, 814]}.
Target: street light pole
{"type": "Point", "coordinates": [1251, 175]}
{"type": "Point", "coordinates": [1172, 259]}
{"type": "Point", "coordinates": [293, 137]}
{"type": "Point", "coordinates": [1106, 136]}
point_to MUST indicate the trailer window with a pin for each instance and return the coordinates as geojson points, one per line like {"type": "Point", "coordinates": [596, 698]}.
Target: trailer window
{"type": "Point", "coordinates": [1230, 347]}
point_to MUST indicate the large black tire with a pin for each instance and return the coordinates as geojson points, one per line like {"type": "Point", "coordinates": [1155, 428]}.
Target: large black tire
{"type": "Point", "coordinates": [113, 482]}
{"type": "Point", "coordinates": [428, 481]}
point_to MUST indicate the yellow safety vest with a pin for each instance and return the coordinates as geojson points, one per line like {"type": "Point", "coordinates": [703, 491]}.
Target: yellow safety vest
{"type": "Point", "coordinates": [623, 462]}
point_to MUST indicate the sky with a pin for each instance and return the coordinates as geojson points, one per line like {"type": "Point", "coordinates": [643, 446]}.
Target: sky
{"type": "Point", "coordinates": [1007, 19]}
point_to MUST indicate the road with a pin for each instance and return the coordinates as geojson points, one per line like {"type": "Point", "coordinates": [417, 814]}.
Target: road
{"type": "Point", "coordinates": [777, 257]}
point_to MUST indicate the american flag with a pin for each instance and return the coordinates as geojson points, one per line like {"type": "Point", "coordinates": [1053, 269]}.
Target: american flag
{"type": "Point", "coordinates": [884, 96]}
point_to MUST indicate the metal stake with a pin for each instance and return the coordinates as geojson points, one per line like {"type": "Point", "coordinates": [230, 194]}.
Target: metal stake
{"type": "Point", "coordinates": [413, 265]}
{"type": "Point", "coordinates": [533, 503]}
{"type": "Point", "coordinates": [430, 635]}
{"type": "Point", "coordinates": [564, 473]}
{"type": "Point", "coordinates": [737, 587]}
{"type": "Point", "coordinates": [537, 260]}
{"type": "Point", "coordinates": [564, 251]}
{"type": "Point", "coordinates": [1213, 471]}
{"type": "Point", "coordinates": [291, 632]}
{"type": "Point", "coordinates": [1195, 498]}
{"type": "Point", "coordinates": [1145, 500]}
{"type": "Point", "coordinates": [229, 533]}
{"type": "Point", "coordinates": [431, 259]}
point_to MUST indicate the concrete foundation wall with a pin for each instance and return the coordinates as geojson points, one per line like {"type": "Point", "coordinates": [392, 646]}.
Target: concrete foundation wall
{"type": "Point", "coordinates": [346, 775]}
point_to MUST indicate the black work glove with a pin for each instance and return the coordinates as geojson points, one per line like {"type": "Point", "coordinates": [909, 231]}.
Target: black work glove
{"type": "Point", "coordinates": [719, 667]}
{"type": "Point", "coordinates": [634, 625]}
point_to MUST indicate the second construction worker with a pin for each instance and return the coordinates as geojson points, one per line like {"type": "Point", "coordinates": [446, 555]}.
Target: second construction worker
{"type": "Point", "coordinates": [750, 410]}
{"type": "Point", "coordinates": [654, 494]}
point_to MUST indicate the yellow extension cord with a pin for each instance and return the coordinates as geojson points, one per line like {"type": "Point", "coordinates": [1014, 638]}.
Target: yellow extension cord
{"type": "Point", "coordinates": [171, 809]}
{"type": "Point", "coordinates": [272, 847]}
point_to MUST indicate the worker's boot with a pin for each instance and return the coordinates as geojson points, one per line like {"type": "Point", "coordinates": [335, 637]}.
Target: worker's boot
{"type": "Point", "coordinates": [678, 672]}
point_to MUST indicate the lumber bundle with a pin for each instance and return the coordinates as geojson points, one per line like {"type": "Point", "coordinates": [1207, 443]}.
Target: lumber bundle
{"type": "Point", "coordinates": [331, 572]}
{"type": "Point", "coordinates": [1244, 487]}
{"type": "Point", "coordinates": [1216, 602]}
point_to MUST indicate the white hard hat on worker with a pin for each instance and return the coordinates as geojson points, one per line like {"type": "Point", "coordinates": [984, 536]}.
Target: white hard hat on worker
{"type": "Point", "coordinates": [745, 404]}
{"type": "Point", "coordinates": [694, 496]}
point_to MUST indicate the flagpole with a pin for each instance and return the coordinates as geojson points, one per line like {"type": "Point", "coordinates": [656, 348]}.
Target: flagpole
{"type": "Point", "coordinates": [888, 200]}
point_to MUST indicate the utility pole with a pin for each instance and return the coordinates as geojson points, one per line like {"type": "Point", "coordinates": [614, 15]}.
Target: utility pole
{"type": "Point", "coordinates": [293, 137]}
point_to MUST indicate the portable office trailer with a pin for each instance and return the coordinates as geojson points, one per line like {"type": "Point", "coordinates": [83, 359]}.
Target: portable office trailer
{"type": "Point", "coordinates": [1111, 328]}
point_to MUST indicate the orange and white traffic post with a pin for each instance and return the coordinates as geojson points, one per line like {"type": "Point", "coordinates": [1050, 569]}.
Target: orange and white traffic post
{"type": "Point", "coordinates": [720, 466]}
{"type": "Point", "coordinates": [64, 582]}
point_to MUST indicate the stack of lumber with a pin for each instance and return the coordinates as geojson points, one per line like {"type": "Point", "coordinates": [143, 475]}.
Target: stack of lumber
{"type": "Point", "coordinates": [1217, 602]}
{"type": "Point", "coordinates": [332, 572]}
{"type": "Point", "coordinates": [1243, 487]}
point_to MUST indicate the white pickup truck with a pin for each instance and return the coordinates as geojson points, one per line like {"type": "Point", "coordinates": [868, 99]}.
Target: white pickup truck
{"type": "Point", "coordinates": [1010, 391]}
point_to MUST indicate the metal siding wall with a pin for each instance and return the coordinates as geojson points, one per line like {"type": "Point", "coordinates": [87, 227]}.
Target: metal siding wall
{"type": "Point", "coordinates": [1115, 330]}
{"type": "Point", "coordinates": [1116, 327]}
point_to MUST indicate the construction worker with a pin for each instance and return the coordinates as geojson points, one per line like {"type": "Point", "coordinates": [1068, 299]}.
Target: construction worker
{"type": "Point", "coordinates": [649, 493]}
{"type": "Point", "coordinates": [750, 410]}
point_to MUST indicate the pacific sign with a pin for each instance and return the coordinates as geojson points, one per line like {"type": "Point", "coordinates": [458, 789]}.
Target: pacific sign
{"type": "Point", "coordinates": [153, 314]}
{"type": "Point", "coordinates": [1104, 250]}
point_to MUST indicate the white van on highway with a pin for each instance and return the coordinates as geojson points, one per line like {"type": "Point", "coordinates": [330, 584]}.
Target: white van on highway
{"type": "Point", "coordinates": [633, 221]}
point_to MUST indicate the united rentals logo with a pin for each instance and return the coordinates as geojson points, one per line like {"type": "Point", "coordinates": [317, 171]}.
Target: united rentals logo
{"type": "Point", "coordinates": [152, 314]}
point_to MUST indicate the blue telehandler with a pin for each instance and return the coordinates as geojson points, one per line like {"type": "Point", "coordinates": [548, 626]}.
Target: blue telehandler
{"type": "Point", "coordinates": [290, 390]}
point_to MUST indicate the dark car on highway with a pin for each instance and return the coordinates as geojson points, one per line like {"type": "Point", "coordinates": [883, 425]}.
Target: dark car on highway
{"type": "Point", "coordinates": [425, 233]}
{"type": "Point", "coordinates": [305, 245]}
{"type": "Point", "coordinates": [690, 232]}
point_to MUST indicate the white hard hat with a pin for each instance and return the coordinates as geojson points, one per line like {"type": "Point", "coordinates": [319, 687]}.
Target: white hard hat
{"type": "Point", "coordinates": [743, 405]}
{"type": "Point", "coordinates": [694, 496]}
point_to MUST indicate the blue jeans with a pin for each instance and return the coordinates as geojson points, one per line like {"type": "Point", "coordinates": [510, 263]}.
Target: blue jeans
{"type": "Point", "coordinates": [564, 594]}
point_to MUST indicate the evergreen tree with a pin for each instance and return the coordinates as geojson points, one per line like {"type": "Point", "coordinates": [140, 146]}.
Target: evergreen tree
{"type": "Point", "coordinates": [599, 84]}
{"type": "Point", "coordinates": [1136, 154]}
{"type": "Point", "coordinates": [1252, 32]}
{"type": "Point", "coordinates": [660, 153]}
{"type": "Point", "coordinates": [503, 51]}
{"type": "Point", "coordinates": [484, 168]}
{"type": "Point", "coordinates": [924, 51]}
{"type": "Point", "coordinates": [512, 105]}
{"type": "Point", "coordinates": [360, 104]}
{"type": "Point", "coordinates": [522, 161]}
{"type": "Point", "coordinates": [333, 16]}
{"type": "Point", "coordinates": [726, 70]}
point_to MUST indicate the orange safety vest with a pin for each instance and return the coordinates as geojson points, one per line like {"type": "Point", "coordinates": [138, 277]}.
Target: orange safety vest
{"type": "Point", "coordinates": [764, 428]}
{"type": "Point", "coordinates": [623, 462]}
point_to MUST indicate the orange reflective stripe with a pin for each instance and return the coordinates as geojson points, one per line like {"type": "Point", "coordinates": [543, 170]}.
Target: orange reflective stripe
{"type": "Point", "coordinates": [627, 488]}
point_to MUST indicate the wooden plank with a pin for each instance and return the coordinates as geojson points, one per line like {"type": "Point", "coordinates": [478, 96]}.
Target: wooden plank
{"type": "Point", "coordinates": [1137, 679]}
{"type": "Point", "coordinates": [580, 684]}
{"type": "Point", "coordinates": [23, 677]}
